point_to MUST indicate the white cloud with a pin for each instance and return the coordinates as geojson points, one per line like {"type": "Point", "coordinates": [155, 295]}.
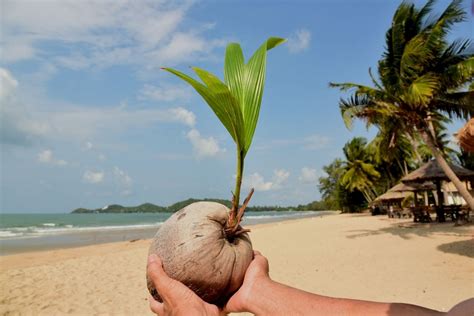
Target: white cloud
{"type": "Point", "coordinates": [47, 157]}
{"type": "Point", "coordinates": [101, 33]}
{"type": "Point", "coordinates": [183, 116]}
{"type": "Point", "coordinates": [17, 127]}
{"type": "Point", "coordinates": [93, 177]}
{"type": "Point", "coordinates": [8, 84]}
{"type": "Point", "coordinates": [122, 177]}
{"type": "Point", "coordinates": [299, 41]}
{"type": "Point", "coordinates": [257, 181]}
{"type": "Point", "coordinates": [24, 124]}
{"type": "Point", "coordinates": [164, 92]}
{"type": "Point", "coordinates": [203, 147]}
{"type": "Point", "coordinates": [88, 145]}
{"type": "Point", "coordinates": [315, 142]}
{"type": "Point", "coordinates": [85, 122]}
{"type": "Point", "coordinates": [312, 142]}
{"type": "Point", "coordinates": [124, 181]}
{"type": "Point", "coordinates": [185, 47]}
{"type": "Point", "coordinates": [308, 175]}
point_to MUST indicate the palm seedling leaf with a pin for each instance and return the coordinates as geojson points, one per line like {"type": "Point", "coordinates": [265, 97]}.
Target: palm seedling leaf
{"type": "Point", "coordinates": [219, 98]}
{"type": "Point", "coordinates": [237, 101]}
{"type": "Point", "coordinates": [246, 82]}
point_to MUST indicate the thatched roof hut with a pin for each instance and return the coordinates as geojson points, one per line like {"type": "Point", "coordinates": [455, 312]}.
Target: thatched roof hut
{"type": "Point", "coordinates": [391, 196]}
{"type": "Point", "coordinates": [431, 171]}
{"type": "Point", "coordinates": [413, 187]}
{"type": "Point", "coordinates": [466, 136]}
{"type": "Point", "coordinates": [401, 191]}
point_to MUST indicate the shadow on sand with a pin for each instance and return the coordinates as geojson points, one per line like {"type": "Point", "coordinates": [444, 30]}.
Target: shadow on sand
{"type": "Point", "coordinates": [463, 248]}
{"type": "Point", "coordinates": [407, 229]}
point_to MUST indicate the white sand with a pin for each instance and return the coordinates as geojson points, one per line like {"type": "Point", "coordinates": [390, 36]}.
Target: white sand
{"type": "Point", "coordinates": [354, 256]}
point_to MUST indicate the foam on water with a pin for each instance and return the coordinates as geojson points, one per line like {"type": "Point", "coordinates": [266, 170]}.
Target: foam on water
{"type": "Point", "coordinates": [31, 226]}
{"type": "Point", "coordinates": [31, 232]}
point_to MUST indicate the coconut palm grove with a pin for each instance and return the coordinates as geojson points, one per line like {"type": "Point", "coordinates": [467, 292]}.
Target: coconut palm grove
{"type": "Point", "coordinates": [422, 82]}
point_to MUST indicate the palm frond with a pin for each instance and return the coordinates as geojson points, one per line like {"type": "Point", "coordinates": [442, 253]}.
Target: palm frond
{"type": "Point", "coordinates": [423, 13]}
{"type": "Point", "coordinates": [421, 90]}
{"type": "Point", "coordinates": [252, 87]}
{"type": "Point", "coordinates": [218, 101]}
{"type": "Point", "coordinates": [457, 105]}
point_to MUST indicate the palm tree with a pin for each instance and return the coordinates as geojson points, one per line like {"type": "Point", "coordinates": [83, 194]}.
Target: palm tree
{"type": "Point", "coordinates": [423, 80]}
{"type": "Point", "coordinates": [391, 146]}
{"type": "Point", "coordinates": [334, 194]}
{"type": "Point", "coordinates": [360, 173]}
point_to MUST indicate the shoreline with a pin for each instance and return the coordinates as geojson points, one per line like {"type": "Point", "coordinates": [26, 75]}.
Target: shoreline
{"type": "Point", "coordinates": [92, 236]}
{"type": "Point", "coordinates": [352, 256]}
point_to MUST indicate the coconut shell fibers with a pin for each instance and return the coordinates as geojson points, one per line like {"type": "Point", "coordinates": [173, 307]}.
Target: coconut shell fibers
{"type": "Point", "coordinates": [194, 249]}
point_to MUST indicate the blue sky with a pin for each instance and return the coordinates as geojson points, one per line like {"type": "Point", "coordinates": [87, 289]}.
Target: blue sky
{"type": "Point", "coordinates": [89, 119]}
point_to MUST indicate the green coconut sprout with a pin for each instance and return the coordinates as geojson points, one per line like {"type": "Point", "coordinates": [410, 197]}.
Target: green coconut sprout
{"type": "Point", "coordinates": [236, 102]}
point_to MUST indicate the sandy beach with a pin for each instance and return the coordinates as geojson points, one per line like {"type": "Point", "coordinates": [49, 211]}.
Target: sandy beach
{"type": "Point", "coordinates": [354, 256]}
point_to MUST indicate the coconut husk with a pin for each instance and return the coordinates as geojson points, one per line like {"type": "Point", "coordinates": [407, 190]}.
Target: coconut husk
{"type": "Point", "coordinates": [465, 136]}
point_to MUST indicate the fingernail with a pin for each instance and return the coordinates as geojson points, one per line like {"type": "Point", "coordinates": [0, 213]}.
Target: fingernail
{"type": "Point", "coordinates": [152, 258]}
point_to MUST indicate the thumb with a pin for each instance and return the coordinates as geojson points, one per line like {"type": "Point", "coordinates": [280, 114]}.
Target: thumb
{"type": "Point", "coordinates": [157, 274]}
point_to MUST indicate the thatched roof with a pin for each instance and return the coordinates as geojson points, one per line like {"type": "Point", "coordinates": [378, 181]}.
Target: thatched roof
{"type": "Point", "coordinates": [431, 171]}
{"type": "Point", "coordinates": [466, 136]}
{"type": "Point", "coordinates": [412, 187]}
{"type": "Point", "coordinates": [391, 196]}
{"type": "Point", "coordinates": [401, 191]}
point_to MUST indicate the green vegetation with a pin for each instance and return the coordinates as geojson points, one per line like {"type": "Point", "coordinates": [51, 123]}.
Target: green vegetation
{"type": "Point", "coordinates": [152, 208]}
{"type": "Point", "coordinates": [423, 81]}
{"type": "Point", "coordinates": [236, 102]}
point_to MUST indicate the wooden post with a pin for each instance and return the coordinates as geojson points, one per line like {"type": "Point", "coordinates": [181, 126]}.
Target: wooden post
{"type": "Point", "coordinates": [439, 207]}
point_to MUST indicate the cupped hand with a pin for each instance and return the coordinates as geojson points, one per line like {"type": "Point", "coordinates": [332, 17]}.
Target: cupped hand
{"type": "Point", "coordinates": [256, 274]}
{"type": "Point", "coordinates": [178, 299]}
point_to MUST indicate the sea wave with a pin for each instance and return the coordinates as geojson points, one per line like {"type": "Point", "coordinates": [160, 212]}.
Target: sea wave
{"type": "Point", "coordinates": [288, 214]}
{"type": "Point", "coordinates": [37, 231]}
{"type": "Point", "coordinates": [47, 228]}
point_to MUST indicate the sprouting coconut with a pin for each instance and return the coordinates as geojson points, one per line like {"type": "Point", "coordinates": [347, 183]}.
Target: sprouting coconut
{"type": "Point", "coordinates": [203, 244]}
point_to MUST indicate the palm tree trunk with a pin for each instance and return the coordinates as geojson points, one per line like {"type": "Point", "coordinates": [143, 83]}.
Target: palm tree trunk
{"type": "Point", "coordinates": [367, 196]}
{"type": "Point", "coordinates": [414, 145]}
{"type": "Point", "coordinates": [428, 138]}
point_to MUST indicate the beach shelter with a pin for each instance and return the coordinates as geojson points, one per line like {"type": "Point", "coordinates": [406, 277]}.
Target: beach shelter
{"type": "Point", "coordinates": [400, 191]}
{"type": "Point", "coordinates": [415, 188]}
{"type": "Point", "coordinates": [391, 196]}
{"type": "Point", "coordinates": [431, 171]}
{"type": "Point", "coordinates": [466, 136]}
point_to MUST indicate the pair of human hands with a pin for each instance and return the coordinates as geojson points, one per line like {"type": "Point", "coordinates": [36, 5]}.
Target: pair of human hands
{"type": "Point", "coordinates": [178, 299]}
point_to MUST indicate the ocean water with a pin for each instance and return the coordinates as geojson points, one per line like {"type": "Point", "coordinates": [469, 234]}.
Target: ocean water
{"type": "Point", "coordinates": [29, 232]}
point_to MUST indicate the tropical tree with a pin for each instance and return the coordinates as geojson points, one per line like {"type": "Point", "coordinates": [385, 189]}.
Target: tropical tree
{"type": "Point", "coordinates": [466, 159]}
{"type": "Point", "coordinates": [423, 79]}
{"type": "Point", "coordinates": [360, 173]}
{"type": "Point", "coordinates": [334, 194]}
{"type": "Point", "coordinates": [391, 147]}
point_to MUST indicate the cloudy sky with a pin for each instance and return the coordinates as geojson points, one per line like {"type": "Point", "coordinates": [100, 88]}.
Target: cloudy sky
{"type": "Point", "coordinates": [88, 118]}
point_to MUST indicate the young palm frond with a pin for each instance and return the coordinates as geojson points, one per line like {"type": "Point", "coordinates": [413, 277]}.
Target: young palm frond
{"type": "Point", "coordinates": [236, 102]}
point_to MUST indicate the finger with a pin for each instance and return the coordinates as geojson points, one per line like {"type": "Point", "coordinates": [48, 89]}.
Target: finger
{"type": "Point", "coordinates": [261, 261]}
{"type": "Point", "coordinates": [156, 273]}
{"type": "Point", "coordinates": [256, 253]}
{"type": "Point", "coordinates": [155, 306]}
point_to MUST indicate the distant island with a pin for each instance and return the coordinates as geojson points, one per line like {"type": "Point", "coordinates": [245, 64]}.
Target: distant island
{"type": "Point", "coordinates": [152, 208]}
